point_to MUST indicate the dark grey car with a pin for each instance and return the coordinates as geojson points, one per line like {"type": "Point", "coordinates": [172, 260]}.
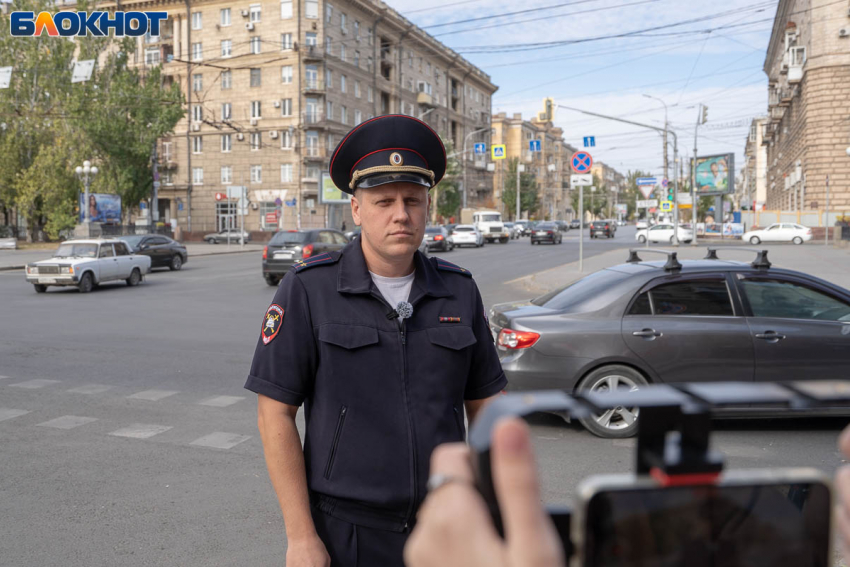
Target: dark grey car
{"type": "Point", "coordinates": [286, 248]}
{"type": "Point", "coordinates": [709, 320]}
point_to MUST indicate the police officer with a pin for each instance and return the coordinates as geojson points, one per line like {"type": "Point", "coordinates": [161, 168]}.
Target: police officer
{"type": "Point", "coordinates": [384, 347]}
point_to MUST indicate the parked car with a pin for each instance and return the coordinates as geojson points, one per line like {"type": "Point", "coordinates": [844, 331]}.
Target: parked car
{"type": "Point", "coordinates": [467, 235]}
{"type": "Point", "coordinates": [602, 228]}
{"type": "Point", "coordinates": [437, 238]}
{"type": "Point", "coordinates": [664, 233]}
{"type": "Point", "coordinates": [287, 247]}
{"type": "Point", "coordinates": [88, 263]}
{"type": "Point", "coordinates": [164, 252]}
{"type": "Point", "coordinates": [779, 232]}
{"type": "Point", "coordinates": [575, 224]}
{"type": "Point", "coordinates": [232, 236]}
{"type": "Point", "coordinates": [352, 234]}
{"type": "Point", "coordinates": [546, 232]}
{"type": "Point", "coordinates": [690, 321]}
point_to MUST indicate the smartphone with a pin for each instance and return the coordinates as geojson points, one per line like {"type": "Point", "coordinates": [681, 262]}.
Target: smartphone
{"type": "Point", "coordinates": [760, 518]}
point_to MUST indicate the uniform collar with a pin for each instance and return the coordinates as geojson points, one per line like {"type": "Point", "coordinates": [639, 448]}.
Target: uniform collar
{"type": "Point", "coordinates": [354, 276]}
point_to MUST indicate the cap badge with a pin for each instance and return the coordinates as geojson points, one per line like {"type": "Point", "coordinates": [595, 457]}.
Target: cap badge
{"type": "Point", "coordinates": [396, 159]}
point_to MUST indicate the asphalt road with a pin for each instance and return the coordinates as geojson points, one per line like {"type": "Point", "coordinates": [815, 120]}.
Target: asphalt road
{"type": "Point", "coordinates": [127, 438]}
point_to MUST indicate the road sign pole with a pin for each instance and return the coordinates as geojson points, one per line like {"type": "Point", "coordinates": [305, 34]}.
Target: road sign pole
{"type": "Point", "coordinates": [581, 228]}
{"type": "Point", "coordinates": [517, 189]}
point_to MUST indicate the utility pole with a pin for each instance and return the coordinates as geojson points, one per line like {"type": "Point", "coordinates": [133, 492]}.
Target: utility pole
{"type": "Point", "coordinates": [155, 195]}
{"type": "Point", "coordinates": [826, 224]}
{"type": "Point", "coordinates": [189, 172]}
{"type": "Point", "coordinates": [519, 169]}
{"type": "Point", "coordinates": [702, 116]}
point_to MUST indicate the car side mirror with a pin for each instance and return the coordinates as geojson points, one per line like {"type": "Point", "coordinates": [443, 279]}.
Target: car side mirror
{"type": "Point", "coordinates": [144, 247]}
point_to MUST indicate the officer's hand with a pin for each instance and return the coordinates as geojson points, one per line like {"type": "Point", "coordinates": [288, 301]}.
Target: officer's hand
{"type": "Point", "coordinates": [308, 552]}
{"type": "Point", "coordinates": [842, 485]}
{"type": "Point", "coordinates": [454, 526]}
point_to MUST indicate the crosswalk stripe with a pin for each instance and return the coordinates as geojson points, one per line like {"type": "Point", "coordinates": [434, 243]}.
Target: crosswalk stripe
{"type": "Point", "coordinates": [67, 422]}
{"type": "Point", "coordinates": [152, 395]}
{"type": "Point", "coordinates": [221, 401]}
{"type": "Point", "coordinates": [220, 440]}
{"type": "Point", "coordinates": [34, 384]}
{"type": "Point", "coordinates": [90, 389]}
{"type": "Point", "coordinates": [141, 430]}
{"type": "Point", "coordinates": [8, 413]}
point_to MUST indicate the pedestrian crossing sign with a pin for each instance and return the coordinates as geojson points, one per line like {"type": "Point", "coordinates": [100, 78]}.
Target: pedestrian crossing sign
{"type": "Point", "coordinates": [666, 206]}
{"type": "Point", "coordinates": [499, 151]}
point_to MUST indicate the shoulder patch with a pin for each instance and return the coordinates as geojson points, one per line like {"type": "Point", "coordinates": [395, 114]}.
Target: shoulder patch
{"type": "Point", "coordinates": [272, 323]}
{"type": "Point", "coordinates": [449, 267]}
{"type": "Point", "coordinates": [321, 259]}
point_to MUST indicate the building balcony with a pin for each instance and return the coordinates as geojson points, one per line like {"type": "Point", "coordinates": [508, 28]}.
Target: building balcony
{"type": "Point", "coordinates": [313, 153]}
{"type": "Point", "coordinates": [313, 118]}
{"type": "Point", "coordinates": [168, 164]}
{"type": "Point", "coordinates": [312, 53]}
{"type": "Point", "coordinates": [314, 87]}
{"type": "Point", "coordinates": [785, 97]}
{"type": "Point", "coordinates": [776, 113]}
{"type": "Point", "coordinates": [424, 99]}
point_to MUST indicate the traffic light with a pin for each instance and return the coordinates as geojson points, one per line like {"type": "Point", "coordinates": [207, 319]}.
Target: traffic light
{"type": "Point", "coordinates": [704, 114]}
{"type": "Point", "coordinates": [670, 193]}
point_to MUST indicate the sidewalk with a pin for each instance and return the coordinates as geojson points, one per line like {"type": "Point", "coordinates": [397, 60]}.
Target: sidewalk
{"type": "Point", "coordinates": [828, 263]}
{"type": "Point", "coordinates": [18, 259]}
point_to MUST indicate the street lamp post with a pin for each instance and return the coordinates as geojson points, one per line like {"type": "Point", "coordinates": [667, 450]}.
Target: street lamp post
{"type": "Point", "coordinates": [85, 173]}
{"type": "Point", "coordinates": [665, 131]}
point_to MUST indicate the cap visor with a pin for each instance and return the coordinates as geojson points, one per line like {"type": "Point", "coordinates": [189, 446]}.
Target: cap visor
{"type": "Point", "coordinates": [387, 178]}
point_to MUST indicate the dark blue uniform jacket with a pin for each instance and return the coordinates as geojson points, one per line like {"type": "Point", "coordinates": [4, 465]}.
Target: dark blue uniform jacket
{"type": "Point", "coordinates": [378, 395]}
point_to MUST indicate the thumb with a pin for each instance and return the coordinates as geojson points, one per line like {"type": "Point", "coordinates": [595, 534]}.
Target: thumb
{"type": "Point", "coordinates": [527, 525]}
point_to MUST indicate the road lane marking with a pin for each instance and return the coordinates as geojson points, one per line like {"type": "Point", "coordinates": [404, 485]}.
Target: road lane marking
{"type": "Point", "coordinates": [153, 395]}
{"type": "Point", "coordinates": [34, 384]}
{"type": "Point", "coordinates": [141, 430]}
{"type": "Point", "coordinates": [67, 422]}
{"type": "Point", "coordinates": [221, 401]}
{"type": "Point", "coordinates": [4, 377]}
{"type": "Point", "coordinates": [90, 389]}
{"type": "Point", "coordinates": [7, 413]}
{"type": "Point", "coordinates": [220, 440]}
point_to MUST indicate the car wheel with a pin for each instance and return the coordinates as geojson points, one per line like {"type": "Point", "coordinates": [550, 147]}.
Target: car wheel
{"type": "Point", "coordinates": [85, 284]}
{"type": "Point", "coordinates": [503, 240]}
{"type": "Point", "coordinates": [176, 263]}
{"type": "Point", "coordinates": [755, 240]}
{"type": "Point", "coordinates": [619, 422]}
{"type": "Point", "coordinates": [39, 288]}
{"type": "Point", "coordinates": [797, 240]}
{"type": "Point", "coordinates": [135, 278]}
{"type": "Point", "coordinates": [271, 280]}
{"type": "Point", "coordinates": [641, 239]}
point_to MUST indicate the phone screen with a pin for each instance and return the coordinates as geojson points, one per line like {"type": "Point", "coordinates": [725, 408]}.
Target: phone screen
{"type": "Point", "coordinates": [765, 525]}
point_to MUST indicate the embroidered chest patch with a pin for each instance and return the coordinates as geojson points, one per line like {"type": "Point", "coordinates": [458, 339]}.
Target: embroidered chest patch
{"type": "Point", "coordinates": [449, 319]}
{"type": "Point", "coordinates": [272, 323]}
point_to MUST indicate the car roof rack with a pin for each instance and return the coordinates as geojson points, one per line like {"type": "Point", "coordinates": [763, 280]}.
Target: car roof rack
{"type": "Point", "coordinates": [761, 261]}
{"type": "Point", "coordinates": [672, 261]}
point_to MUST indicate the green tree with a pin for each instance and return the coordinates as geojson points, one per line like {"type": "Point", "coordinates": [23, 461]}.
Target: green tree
{"type": "Point", "coordinates": [528, 195]}
{"type": "Point", "coordinates": [447, 194]}
{"type": "Point", "coordinates": [595, 202]}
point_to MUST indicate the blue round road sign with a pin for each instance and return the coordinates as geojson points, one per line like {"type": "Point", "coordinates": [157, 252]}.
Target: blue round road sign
{"type": "Point", "coordinates": [581, 162]}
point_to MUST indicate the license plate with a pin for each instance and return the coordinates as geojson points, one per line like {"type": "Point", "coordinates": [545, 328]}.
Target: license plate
{"type": "Point", "coordinates": [46, 280]}
{"type": "Point", "coordinates": [283, 255]}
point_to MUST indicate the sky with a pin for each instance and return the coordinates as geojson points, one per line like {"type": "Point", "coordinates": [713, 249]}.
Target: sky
{"type": "Point", "coordinates": [684, 52]}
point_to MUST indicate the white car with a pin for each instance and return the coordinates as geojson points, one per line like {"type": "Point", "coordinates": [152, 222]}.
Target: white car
{"type": "Point", "coordinates": [641, 224]}
{"type": "Point", "coordinates": [664, 233]}
{"type": "Point", "coordinates": [87, 263]}
{"type": "Point", "coordinates": [779, 232]}
{"type": "Point", "coordinates": [467, 235]}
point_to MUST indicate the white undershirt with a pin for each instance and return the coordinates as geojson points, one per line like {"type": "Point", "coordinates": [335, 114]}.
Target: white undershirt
{"type": "Point", "coordinates": [394, 290]}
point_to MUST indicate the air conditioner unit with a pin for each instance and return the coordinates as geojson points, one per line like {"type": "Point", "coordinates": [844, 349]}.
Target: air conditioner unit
{"type": "Point", "coordinates": [843, 32]}
{"type": "Point", "coordinates": [240, 136]}
{"type": "Point", "coordinates": [244, 13]}
{"type": "Point", "coordinates": [253, 122]}
{"type": "Point", "coordinates": [276, 104]}
{"type": "Point", "coordinates": [273, 134]}
{"type": "Point", "coordinates": [249, 26]}
{"type": "Point", "coordinates": [196, 127]}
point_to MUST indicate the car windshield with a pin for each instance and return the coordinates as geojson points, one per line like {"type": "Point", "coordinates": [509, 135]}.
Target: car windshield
{"type": "Point", "coordinates": [581, 290]}
{"type": "Point", "coordinates": [491, 218]}
{"type": "Point", "coordinates": [289, 238]}
{"type": "Point", "coordinates": [463, 229]}
{"type": "Point", "coordinates": [545, 226]}
{"type": "Point", "coordinates": [133, 241]}
{"type": "Point", "coordinates": [80, 250]}
{"type": "Point", "coordinates": [433, 230]}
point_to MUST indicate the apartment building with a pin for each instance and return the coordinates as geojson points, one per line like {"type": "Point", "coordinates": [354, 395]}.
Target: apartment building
{"type": "Point", "coordinates": [806, 133]}
{"type": "Point", "coordinates": [275, 85]}
{"type": "Point", "coordinates": [751, 192]}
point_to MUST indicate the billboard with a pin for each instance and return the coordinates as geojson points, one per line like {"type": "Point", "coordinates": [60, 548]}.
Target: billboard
{"type": "Point", "coordinates": [103, 207]}
{"type": "Point", "coordinates": [715, 175]}
{"type": "Point", "coordinates": [329, 194]}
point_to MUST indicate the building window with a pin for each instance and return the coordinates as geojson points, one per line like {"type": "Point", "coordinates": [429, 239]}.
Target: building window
{"type": "Point", "coordinates": [331, 141]}
{"type": "Point", "coordinates": [286, 74]}
{"type": "Point", "coordinates": [285, 41]}
{"type": "Point", "coordinates": [798, 57]}
{"type": "Point", "coordinates": [344, 115]}
{"type": "Point", "coordinates": [370, 95]}
{"type": "Point", "coordinates": [370, 35]}
{"type": "Point", "coordinates": [311, 9]}
{"type": "Point", "coordinates": [255, 45]}
{"type": "Point", "coordinates": [328, 43]}
{"type": "Point", "coordinates": [329, 79]}
{"type": "Point", "coordinates": [197, 82]}
{"type": "Point", "coordinates": [197, 113]}
{"type": "Point", "coordinates": [311, 76]}
{"type": "Point", "coordinates": [256, 11]}
{"type": "Point", "coordinates": [312, 140]}
{"type": "Point", "coordinates": [256, 174]}
{"type": "Point", "coordinates": [226, 111]}
{"type": "Point", "coordinates": [167, 178]}
{"type": "Point", "coordinates": [342, 54]}
{"type": "Point", "coordinates": [286, 140]}
{"type": "Point", "coordinates": [152, 56]}
{"type": "Point", "coordinates": [410, 59]}
{"type": "Point", "coordinates": [342, 85]}
{"type": "Point", "coordinates": [329, 110]}
{"type": "Point", "coordinates": [197, 51]}
{"type": "Point", "coordinates": [313, 172]}
{"type": "Point", "coordinates": [197, 175]}
{"type": "Point", "coordinates": [356, 59]}
{"type": "Point", "coordinates": [226, 47]}
{"type": "Point", "coordinates": [342, 23]}
{"type": "Point", "coordinates": [358, 117]}
{"type": "Point", "coordinates": [356, 30]}
{"type": "Point", "coordinates": [197, 145]}
{"type": "Point", "coordinates": [166, 151]}
{"type": "Point", "coordinates": [196, 20]}
{"type": "Point", "coordinates": [254, 141]}
{"type": "Point", "coordinates": [255, 110]}
{"type": "Point", "coordinates": [226, 174]}
{"type": "Point", "coordinates": [226, 80]}
{"type": "Point", "coordinates": [224, 17]}
{"type": "Point", "coordinates": [286, 173]}
{"type": "Point", "coordinates": [286, 107]}
{"type": "Point", "coordinates": [226, 142]}
{"type": "Point", "coordinates": [256, 77]}
{"type": "Point", "coordinates": [285, 9]}
{"type": "Point", "coordinates": [356, 89]}
{"type": "Point", "coordinates": [311, 39]}
{"type": "Point", "coordinates": [329, 12]}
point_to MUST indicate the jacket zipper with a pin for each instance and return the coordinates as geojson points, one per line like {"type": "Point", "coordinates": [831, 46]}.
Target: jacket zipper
{"type": "Point", "coordinates": [336, 442]}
